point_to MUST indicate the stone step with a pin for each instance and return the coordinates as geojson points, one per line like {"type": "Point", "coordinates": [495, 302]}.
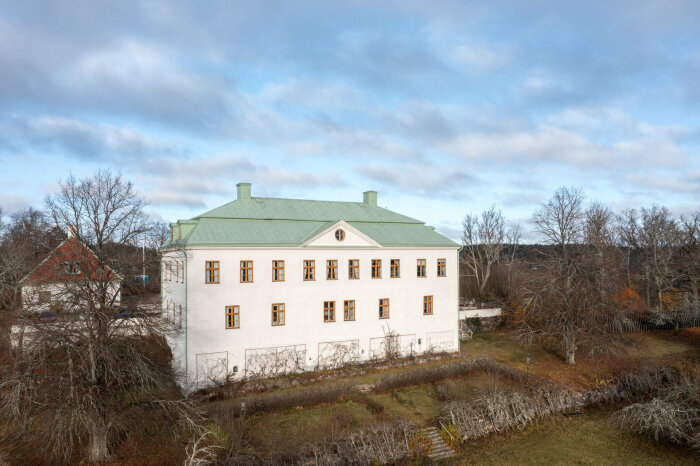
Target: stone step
{"type": "Point", "coordinates": [440, 449]}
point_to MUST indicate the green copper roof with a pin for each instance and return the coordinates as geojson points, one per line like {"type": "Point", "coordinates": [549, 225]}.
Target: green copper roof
{"type": "Point", "coordinates": [265, 208]}
{"type": "Point", "coordinates": [291, 222]}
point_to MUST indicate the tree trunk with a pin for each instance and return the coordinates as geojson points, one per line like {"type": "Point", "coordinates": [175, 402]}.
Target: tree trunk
{"type": "Point", "coordinates": [97, 450]}
{"type": "Point", "coordinates": [571, 351]}
{"type": "Point", "coordinates": [485, 280]}
{"type": "Point", "coordinates": [571, 357]}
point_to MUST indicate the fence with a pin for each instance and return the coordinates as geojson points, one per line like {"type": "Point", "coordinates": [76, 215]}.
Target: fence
{"type": "Point", "coordinates": [644, 323]}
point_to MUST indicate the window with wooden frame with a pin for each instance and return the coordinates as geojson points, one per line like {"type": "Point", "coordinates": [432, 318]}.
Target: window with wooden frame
{"type": "Point", "coordinates": [180, 306]}
{"type": "Point", "coordinates": [332, 269]}
{"type": "Point", "coordinates": [339, 234]}
{"type": "Point", "coordinates": [177, 271]}
{"type": "Point", "coordinates": [211, 272]}
{"type": "Point", "coordinates": [354, 269]}
{"type": "Point", "coordinates": [421, 268]}
{"type": "Point", "coordinates": [427, 305]}
{"type": "Point", "coordinates": [384, 308]}
{"type": "Point", "coordinates": [277, 271]}
{"type": "Point", "coordinates": [182, 272]}
{"type": "Point", "coordinates": [246, 271]}
{"type": "Point", "coordinates": [309, 270]}
{"type": "Point", "coordinates": [395, 271]}
{"type": "Point", "coordinates": [233, 317]}
{"type": "Point", "coordinates": [376, 268]}
{"type": "Point", "coordinates": [442, 267]}
{"type": "Point", "coordinates": [166, 268]}
{"type": "Point", "coordinates": [329, 311]}
{"type": "Point", "coordinates": [278, 314]}
{"type": "Point", "coordinates": [44, 297]}
{"type": "Point", "coordinates": [349, 309]}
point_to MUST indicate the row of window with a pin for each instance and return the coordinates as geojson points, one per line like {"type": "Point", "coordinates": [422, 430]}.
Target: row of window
{"type": "Point", "coordinates": [176, 269]}
{"type": "Point", "coordinates": [211, 270]}
{"type": "Point", "coordinates": [233, 313]}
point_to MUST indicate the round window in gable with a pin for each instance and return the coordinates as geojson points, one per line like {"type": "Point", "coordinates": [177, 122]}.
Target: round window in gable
{"type": "Point", "coordinates": [339, 234]}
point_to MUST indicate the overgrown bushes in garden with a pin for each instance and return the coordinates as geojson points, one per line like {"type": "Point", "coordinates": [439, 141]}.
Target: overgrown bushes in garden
{"type": "Point", "coordinates": [429, 374]}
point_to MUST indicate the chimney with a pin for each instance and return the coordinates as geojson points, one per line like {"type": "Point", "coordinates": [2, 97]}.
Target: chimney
{"type": "Point", "coordinates": [370, 198]}
{"type": "Point", "coordinates": [243, 191]}
{"type": "Point", "coordinates": [71, 231]}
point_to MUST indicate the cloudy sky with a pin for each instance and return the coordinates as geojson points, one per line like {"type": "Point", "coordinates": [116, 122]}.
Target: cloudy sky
{"type": "Point", "coordinates": [444, 107]}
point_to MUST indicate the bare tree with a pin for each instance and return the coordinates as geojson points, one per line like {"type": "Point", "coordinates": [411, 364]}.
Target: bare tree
{"type": "Point", "coordinates": [569, 299]}
{"type": "Point", "coordinates": [484, 240]}
{"type": "Point", "coordinates": [690, 252]}
{"type": "Point", "coordinates": [89, 375]}
{"type": "Point", "coordinates": [654, 234]}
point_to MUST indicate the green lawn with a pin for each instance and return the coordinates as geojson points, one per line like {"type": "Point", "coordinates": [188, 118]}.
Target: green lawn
{"type": "Point", "coordinates": [593, 438]}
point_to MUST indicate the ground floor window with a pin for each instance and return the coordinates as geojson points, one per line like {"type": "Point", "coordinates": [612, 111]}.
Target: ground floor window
{"type": "Point", "coordinates": [329, 311]}
{"type": "Point", "coordinates": [278, 314]}
{"type": "Point", "coordinates": [349, 309]}
{"type": "Point", "coordinates": [44, 297]}
{"type": "Point", "coordinates": [427, 305]}
{"type": "Point", "coordinates": [384, 308]}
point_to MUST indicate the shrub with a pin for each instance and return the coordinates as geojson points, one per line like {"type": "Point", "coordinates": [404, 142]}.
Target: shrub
{"type": "Point", "coordinates": [430, 374]}
{"type": "Point", "coordinates": [500, 411]}
{"type": "Point", "coordinates": [420, 446]}
{"type": "Point", "coordinates": [304, 396]}
{"type": "Point", "coordinates": [474, 323]}
{"type": "Point", "coordinates": [674, 414]}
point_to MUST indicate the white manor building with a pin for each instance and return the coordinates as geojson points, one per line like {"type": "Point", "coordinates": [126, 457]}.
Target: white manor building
{"type": "Point", "coordinates": [264, 285]}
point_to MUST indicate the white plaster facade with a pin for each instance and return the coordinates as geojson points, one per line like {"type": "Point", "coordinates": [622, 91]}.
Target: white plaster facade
{"type": "Point", "coordinates": [59, 294]}
{"type": "Point", "coordinates": [207, 349]}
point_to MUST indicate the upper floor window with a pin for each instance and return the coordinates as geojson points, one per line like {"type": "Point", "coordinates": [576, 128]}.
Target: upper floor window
{"type": "Point", "coordinates": [384, 308]}
{"type": "Point", "coordinates": [339, 234]}
{"type": "Point", "coordinates": [441, 268]}
{"type": "Point", "coordinates": [376, 268]}
{"type": "Point", "coordinates": [72, 267]}
{"type": "Point", "coordinates": [349, 309]}
{"type": "Point", "coordinates": [309, 270]}
{"type": "Point", "coordinates": [421, 268]}
{"type": "Point", "coordinates": [395, 268]}
{"type": "Point", "coordinates": [329, 311]}
{"type": "Point", "coordinates": [177, 271]}
{"type": "Point", "coordinates": [246, 271]}
{"type": "Point", "coordinates": [354, 269]}
{"type": "Point", "coordinates": [427, 305]}
{"type": "Point", "coordinates": [182, 272]}
{"type": "Point", "coordinates": [332, 269]}
{"type": "Point", "coordinates": [278, 314]}
{"type": "Point", "coordinates": [277, 271]}
{"type": "Point", "coordinates": [233, 317]}
{"type": "Point", "coordinates": [211, 272]}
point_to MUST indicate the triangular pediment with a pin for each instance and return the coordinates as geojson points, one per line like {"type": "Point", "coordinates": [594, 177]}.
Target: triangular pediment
{"type": "Point", "coordinates": [331, 237]}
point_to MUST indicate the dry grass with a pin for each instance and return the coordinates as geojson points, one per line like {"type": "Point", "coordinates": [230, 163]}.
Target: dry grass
{"type": "Point", "coordinates": [590, 370]}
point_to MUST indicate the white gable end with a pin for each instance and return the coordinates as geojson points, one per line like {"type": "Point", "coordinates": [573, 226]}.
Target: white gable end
{"type": "Point", "coordinates": [351, 238]}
